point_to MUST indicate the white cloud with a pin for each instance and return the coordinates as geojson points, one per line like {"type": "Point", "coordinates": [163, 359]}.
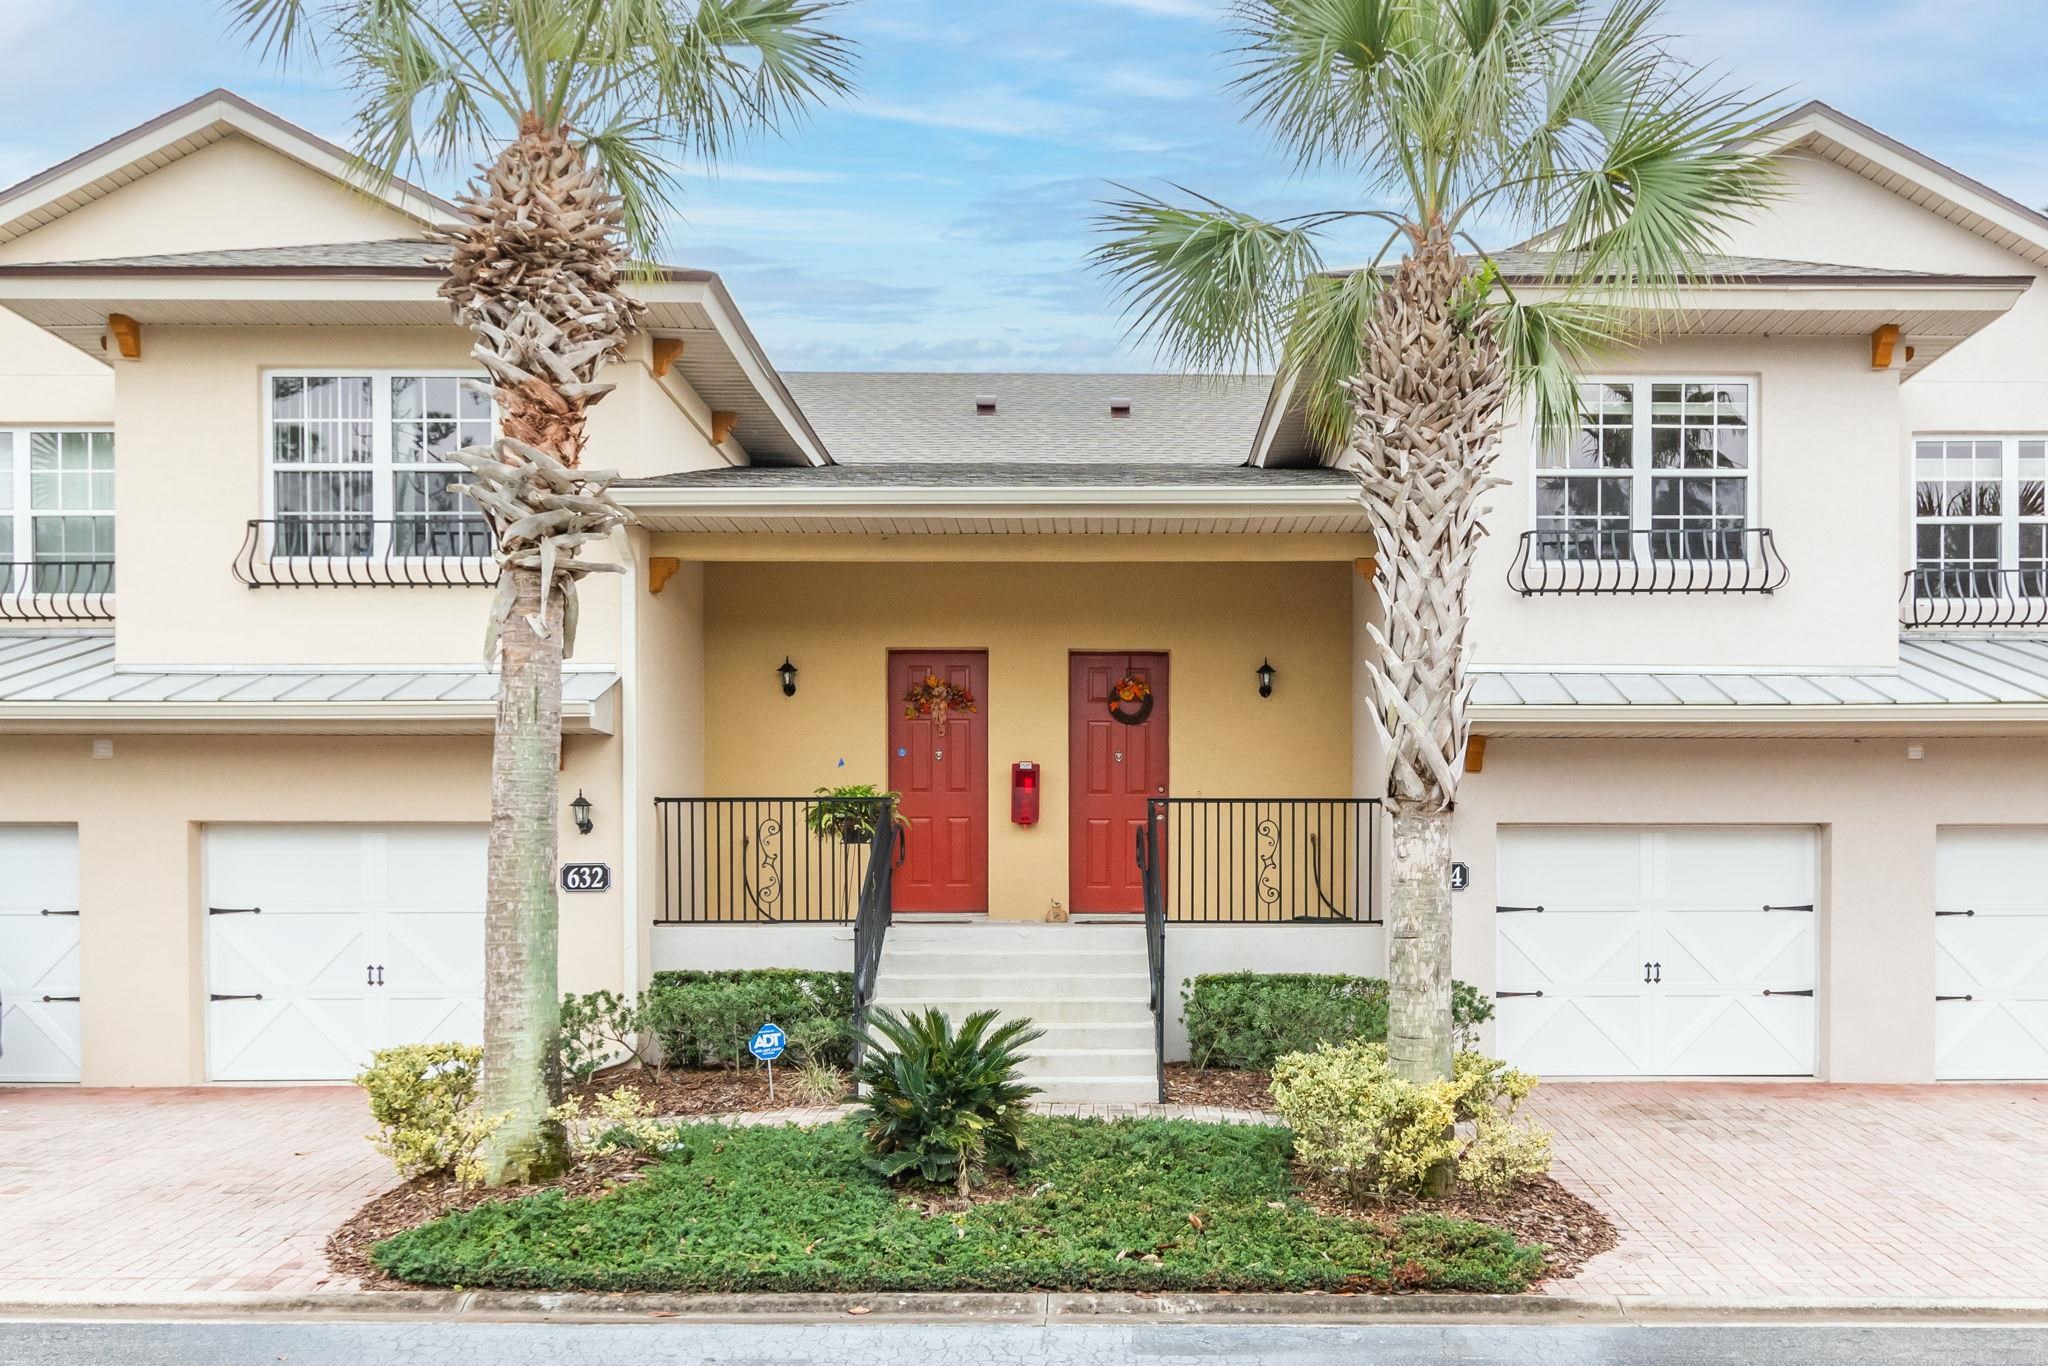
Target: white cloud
{"type": "Point", "coordinates": [1170, 9]}
{"type": "Point", "coordinates": [762, 175]}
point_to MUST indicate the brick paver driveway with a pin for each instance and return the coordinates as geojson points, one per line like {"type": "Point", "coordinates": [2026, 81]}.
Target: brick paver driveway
{"type": "Point", "coordinates": [1721, 1190]}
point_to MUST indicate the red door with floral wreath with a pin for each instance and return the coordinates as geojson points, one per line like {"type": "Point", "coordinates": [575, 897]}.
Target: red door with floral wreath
{"type": "Point", "coordinates": [940, 765]}
{"type": "Point", "coordinates": [1116, 734]}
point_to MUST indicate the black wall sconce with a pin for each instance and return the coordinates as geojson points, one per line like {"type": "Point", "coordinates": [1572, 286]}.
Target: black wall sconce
{"type": "Point", "coordinates": [580, 809]}
{"type": "Point", "coordinates": [788, 672]}
{"type": "Point", "coordinates": [1265, 678]}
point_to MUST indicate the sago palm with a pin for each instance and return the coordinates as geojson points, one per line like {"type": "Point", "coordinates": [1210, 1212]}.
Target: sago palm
{"type": "Point", "coordinates": [1564, 117]}
{"type": "Point", "coordinates": [583, 107]}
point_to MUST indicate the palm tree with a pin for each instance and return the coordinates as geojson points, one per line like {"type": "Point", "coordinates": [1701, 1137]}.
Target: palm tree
{"type": "Point", "coordinates": [1565, 117]}
{"type": "Point", "coordinates": [586, 104]}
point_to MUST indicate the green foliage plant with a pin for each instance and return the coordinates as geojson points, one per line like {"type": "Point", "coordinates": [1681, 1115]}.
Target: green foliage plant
{"type": "Point", "coordinates": [1248, 1019]}
{"type": "Point", "coordinates": [944, 1105]}
{"type": "Point", "coordinates": [423, 1098]}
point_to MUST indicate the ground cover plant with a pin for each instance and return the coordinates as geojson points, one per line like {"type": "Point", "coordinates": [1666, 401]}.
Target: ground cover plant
{"type": "Point", "coordinates": [1133, 1205]}
{"type": "Point", "coordinates": [1249, 1019]}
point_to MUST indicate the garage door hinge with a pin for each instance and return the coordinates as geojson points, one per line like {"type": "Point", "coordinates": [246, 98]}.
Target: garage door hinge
{"type": "Point", "coordinates": [234, 910]}
{"type": "Point", "coordinates": [253, 996]}
{"type": "Point", "coordinates": [1955, 998]}
{"type": "Point", "coordinates": [1939, 914]}
{"type": "Point", "coordinates": [48, 999]}
{"type": "Point", "coordinates": [51, 912]}
{"type": "Point", "coordinates": [1789, 908]}
{"type": "Point", "coordinates": [1518, 910]}
{"type": "Point", "coordinates": [1503, 995]}
{"type": "Point", "coordinates": [1806, 991]}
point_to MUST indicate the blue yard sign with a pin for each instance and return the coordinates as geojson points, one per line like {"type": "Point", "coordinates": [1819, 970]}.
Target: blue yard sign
{"type": "Point", "coordinates": [768, 1042]}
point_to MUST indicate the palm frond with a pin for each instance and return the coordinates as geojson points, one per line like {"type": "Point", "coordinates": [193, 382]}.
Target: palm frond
{"type": "Point", "coordinates": [1325, 346]}
{"type": "Point", "coordinates": [1548, 345]}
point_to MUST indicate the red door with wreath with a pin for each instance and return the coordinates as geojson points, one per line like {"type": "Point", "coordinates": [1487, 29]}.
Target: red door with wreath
{"type": "Point", "coordinates": [940, 765]}
{"type": "Point", "coordinates": [1116, 762]}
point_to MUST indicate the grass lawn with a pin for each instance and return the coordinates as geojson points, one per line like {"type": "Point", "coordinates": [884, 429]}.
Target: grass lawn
{"type": "Point", "coordinates": [1136, 1205]}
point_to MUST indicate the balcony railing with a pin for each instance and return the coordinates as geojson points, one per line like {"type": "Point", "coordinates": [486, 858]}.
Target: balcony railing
{"type": "Point", "coordinates": [1573, 563]}
{"type": "Point", "coordinates": [57, 590]}
{"type": "Point", "coordinates": [1947, 597]}
{"type": "Point", "coordinates": [773, 860]}
{"type": "Point", "coordinates": [1262, 860]}
{"type": "Point", "coordinates": [330, 550]}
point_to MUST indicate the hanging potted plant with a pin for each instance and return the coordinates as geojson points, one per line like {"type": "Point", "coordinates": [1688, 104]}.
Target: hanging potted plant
{"type": "Point", "coordinates": [933, 697]}
{"type": "Point", "coordinates": [849, 814]}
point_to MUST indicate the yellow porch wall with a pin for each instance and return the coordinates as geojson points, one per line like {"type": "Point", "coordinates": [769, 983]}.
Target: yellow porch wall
{"type": "Point", "coordinates": [1216, 621]}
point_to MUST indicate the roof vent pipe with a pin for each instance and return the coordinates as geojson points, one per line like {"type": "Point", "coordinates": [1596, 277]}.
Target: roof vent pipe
{"type": "Point", "coordinates": [985, 405]}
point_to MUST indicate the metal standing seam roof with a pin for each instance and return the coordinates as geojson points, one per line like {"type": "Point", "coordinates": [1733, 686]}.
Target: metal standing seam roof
{"type": "Point", "coordinates": [1932, 671]}
{"type": "Point", "coordinates": [78, 667]}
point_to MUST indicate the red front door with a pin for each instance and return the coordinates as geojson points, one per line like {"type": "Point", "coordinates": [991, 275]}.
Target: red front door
{"type": "Point", "coordinates": [1114, 768]}
{"type": "Point", "coordinates": [944, 782]}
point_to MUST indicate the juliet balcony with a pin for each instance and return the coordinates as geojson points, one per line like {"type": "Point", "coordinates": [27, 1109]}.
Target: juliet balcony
{"type": "Point", "coordinates": [56, 592]}
{"type": "Point", "coordinates": [1957, 598]}
{"type": "Point", "coordinates": [340, 550]}
{"type": "Point", "coordinates": [1619, 562]}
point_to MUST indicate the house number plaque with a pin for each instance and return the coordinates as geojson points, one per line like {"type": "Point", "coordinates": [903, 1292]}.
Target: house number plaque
{"type": "Point", "coordinates": [586, 877]}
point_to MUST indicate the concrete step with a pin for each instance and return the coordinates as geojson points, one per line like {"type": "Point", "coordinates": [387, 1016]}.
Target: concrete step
{"type": "Point", "coordinates": [999, 934]}
{"type": "Point", "coordinates": [1097, 1090]}
{"type": "Point", "coordinates": [1060, 1063]}
{"type": "Point", "coordinates": [1030, 986]}
{"type": "Point", "coordinates": [1069, 1010]}
{"type": "Point", "coordinates": [926, 962]}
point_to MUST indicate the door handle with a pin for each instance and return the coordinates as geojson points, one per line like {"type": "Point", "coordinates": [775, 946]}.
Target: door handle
{"type": "Point", "coordinates": [369, 974]}
{"type": "Point", "coordinates": [1658, 968]}
{"type": "Point", "coordinates": [1646, 972]}
{"type": "Point", "coordinates": [380, 974]}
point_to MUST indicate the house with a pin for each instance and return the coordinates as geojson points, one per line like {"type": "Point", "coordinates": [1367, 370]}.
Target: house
{"type": "Point", "coordinates": [1757, 784]}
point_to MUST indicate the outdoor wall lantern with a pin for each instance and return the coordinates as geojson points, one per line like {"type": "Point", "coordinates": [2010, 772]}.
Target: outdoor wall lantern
{"type": "Point", "coordinates": [580, 808]}
{"type": "Point", "coordinates": [1265, 678]}
{"type": "Point", "coordinates": [788, 672]}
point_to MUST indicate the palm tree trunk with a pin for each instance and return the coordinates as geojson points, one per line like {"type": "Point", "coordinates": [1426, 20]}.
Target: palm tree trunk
{"type": "Point", "coordinates": [1419, 945]}
{"type": "Point", "coordinates": [522, 1013]}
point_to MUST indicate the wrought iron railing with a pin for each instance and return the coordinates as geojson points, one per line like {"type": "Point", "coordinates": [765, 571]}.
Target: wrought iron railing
{"type": "Point", "coordinates": [1572, 563]}
{"type": "Point", "coordinates": [340, 550]}
{"type": "Point", "coordinates": [1974, 597]}
{"type": "Point", "coordinates": [771, 860]}
{"type": "Point", "coordinates": [871, 920]}
{"type": "Point", "coordinates": [1149, 839]}
{"type": "Point", "coordinates": [57, 590]}
{"type": "Point", "coordinates": [1264, 860]}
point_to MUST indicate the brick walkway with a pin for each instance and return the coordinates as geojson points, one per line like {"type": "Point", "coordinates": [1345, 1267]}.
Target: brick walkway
{"type": "Point", "coordinates": [1719, 1190]}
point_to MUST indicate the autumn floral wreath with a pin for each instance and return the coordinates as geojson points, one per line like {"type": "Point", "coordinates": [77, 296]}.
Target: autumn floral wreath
{"type": "Point", "coordinates": [934, 697]}
{"type": "Point", "coordinates": [1130, 691]}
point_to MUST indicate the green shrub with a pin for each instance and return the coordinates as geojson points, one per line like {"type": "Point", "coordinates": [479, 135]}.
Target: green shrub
{"type": "Point", "coordinates": [707, 1017]}
{"type": "Point", "coordinates": [1358, 1124]}
{"type": "Point", "coordinates": [423, 1098]}
{"type": "Point", "coordinates": [1248, 1019]}
{"type": "Point", "coordinates": [596, 1028]}
{"type": "Point", "coordinates": [943, 1104]}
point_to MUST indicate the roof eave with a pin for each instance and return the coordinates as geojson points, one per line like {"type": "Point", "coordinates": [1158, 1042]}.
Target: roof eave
{"type": "Point", "coordinates": [1825, 721]}
{"type": "Point", "coordinates": [596, 716]}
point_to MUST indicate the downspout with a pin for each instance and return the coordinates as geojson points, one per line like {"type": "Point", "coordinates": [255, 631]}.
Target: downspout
{"type": "Point", "coordinates": [629, 764]}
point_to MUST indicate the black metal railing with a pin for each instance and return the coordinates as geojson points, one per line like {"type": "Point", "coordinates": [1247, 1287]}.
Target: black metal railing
{"type": "Point", "coordinates": [1935, 596]}
{"type": "Point", "coordinates": [340, 550]}
{"type": "Point", "coordinates": [771, 860]}
{"type": "Point", "coordinates": [1155, 934]}
{"type": "Point", "coordinates": [1570, 563]}
{"type": "Point", "coordinates": [1264, 860]}
{"type": "Point", "coordinates": [871, 920]}
{"type": "Point", "coordinates": [57, 590]}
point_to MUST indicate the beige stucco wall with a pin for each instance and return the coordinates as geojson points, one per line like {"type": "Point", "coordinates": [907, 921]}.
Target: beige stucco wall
{"type": "Point", "coordinates": [1876, 810]}
{"type": "Point", "coordinates": [141, 816]}
{"type": "Point", "coordinates": [1215, 620]}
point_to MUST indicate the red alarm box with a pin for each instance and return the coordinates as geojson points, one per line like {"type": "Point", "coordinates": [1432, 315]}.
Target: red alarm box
{"type": "Point", "coordinates": [1024, 793]}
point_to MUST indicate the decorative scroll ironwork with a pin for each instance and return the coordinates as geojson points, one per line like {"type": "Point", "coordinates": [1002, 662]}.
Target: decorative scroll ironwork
{"type": "Point", "coordinates": [758, 860]}
{"type": "Point", "coordinates": [1622, 562]}
{"type": "Point", "coordinates": [340, 550]}
{"type": "Point", "coordinates": [1265, 859]}
{"type": "Point", "coordinates": [1974, 597]}
{"type": "Point", "coordinates": [57, 590]}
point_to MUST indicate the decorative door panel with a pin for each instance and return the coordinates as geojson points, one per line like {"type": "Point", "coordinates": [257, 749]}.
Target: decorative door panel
{"type": "Point", "coordinates": [943, 777]}
{"type": "Point", "coordinates": [1115, 766]}
{"type": "Point", "coordinates": [39, 953]}
{"type": "Point", "coordinates": [1991, 953]}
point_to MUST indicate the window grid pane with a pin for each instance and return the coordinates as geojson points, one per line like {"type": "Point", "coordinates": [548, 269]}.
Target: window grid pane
{"type": "Point", "coordinates": [1958, 507]}
{"type": "Point", "coordinates": [68, 532]}
{"type": "Point", "coordinates": [1699, 444]}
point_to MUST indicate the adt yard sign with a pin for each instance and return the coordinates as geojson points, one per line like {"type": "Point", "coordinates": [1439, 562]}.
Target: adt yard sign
{"type": "Point", "coordinates": [768, 1042]}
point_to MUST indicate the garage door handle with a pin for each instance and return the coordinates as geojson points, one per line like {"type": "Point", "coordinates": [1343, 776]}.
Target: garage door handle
{"type": "Point", "coordinates": [1789, 908]}
{"type": "Point", "coordinates": [380, 974]}
{"type": "Point", "coordinates": [369, 974]}
{"type": "Point", "coordinates": [253, 996]}
{"type": "Point", "coordinates": [234, 910]}
{"type": "Point", "coordinates": [1955, 998]}
{"type": "Point", "coordinates": [49, 912]}
{"type": "Point", "coordinates": [1807, 992]}
{"type": "Point", "coordinates": [1503, 995]}
{"type": "Point", "coordinates": [48, 999]}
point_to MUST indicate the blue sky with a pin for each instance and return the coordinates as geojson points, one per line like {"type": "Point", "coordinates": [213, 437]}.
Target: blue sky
{"type": "Point", "coordinates": [939, 219]}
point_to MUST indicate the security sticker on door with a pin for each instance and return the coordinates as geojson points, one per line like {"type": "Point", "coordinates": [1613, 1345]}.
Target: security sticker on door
{"type": "Point", "coordinates": [586, 877]}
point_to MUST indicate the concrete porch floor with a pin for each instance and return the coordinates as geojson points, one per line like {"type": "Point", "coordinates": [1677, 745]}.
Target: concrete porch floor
{"type": "Point", "coordinates": [1720, 1190]}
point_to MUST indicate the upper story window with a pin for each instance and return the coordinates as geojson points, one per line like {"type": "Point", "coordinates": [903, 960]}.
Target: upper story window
{"type": "Point", "coordinates": [56, 510]}
{"type": "Point", "coordinates": [356, 467]}
{"type": "Point", "coordinates": [1658, 469]}
{"type": "Point", "coordinates": [1980, 517]}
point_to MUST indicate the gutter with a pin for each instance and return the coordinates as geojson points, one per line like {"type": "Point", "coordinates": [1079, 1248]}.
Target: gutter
{"type": "Point", "coordinates": [1705, 720]}
{"type": "Point", "coordinates": [597, 717]}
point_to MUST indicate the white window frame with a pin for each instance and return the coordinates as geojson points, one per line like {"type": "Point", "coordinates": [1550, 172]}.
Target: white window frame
{"type": "Point", "coordinates": [2008, 521]}
{"type": "Point", "coordinates": [382, 468]}
{"type": "Point", "coordinates": [1642, 472]}
{"type": "Point", "coordinates": [23, 515]}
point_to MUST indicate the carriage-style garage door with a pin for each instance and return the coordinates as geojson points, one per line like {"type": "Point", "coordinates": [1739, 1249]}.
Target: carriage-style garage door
{"type": "Point", "coordinates": [327, 942]}
{"type": "Point", "coordinates": [39, 1005]}
{"type": "Point", "coordinates": [1673, 951]}
{"type": "Point", "coordinates": [1991, 953]}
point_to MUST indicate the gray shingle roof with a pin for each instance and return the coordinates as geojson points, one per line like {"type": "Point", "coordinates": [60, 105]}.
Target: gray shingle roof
{"type": "Point", "coordinates": [900, 418]}
{"type": "Point", "coordinates": [390, 255]}
{"type": "Point", "coordinates": [987, 474]}
{"type": "Point", "coordinates": [1523, 265]}
{"type": "Point", "coordinates": [1932, 671]}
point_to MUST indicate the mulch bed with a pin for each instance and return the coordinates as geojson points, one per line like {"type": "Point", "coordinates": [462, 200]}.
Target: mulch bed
{"type": "Point", "coordinates": [1231, 1089]}
{"type": "Point", "coordinates": [699, 1090]}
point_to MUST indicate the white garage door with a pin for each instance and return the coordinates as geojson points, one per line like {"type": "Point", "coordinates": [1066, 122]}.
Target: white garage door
{"type": "Point", "coordinates": [1991, 953]}
{"type": "Point", "coordinates": [39, 1004]}
{"type": "Point", "coordinates": [1657, 952]}
{"type": "Point", "coordinates": [325, 943]}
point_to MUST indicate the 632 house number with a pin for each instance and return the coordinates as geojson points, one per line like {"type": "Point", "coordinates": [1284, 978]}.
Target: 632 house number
{"type": "Point", "coordinates": [586, 877]}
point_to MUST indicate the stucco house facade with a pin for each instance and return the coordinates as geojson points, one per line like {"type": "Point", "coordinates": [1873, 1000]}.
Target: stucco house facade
{"type": "Point", "coordinates": [1762, 690]}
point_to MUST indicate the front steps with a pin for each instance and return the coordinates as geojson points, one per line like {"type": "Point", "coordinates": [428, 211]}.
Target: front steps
{"type": "Point", "coordinates": [1088, 987]}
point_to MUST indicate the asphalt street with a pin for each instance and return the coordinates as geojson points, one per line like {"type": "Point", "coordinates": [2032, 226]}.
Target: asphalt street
{"type": "Point", "coordinates": [356, 1343]}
